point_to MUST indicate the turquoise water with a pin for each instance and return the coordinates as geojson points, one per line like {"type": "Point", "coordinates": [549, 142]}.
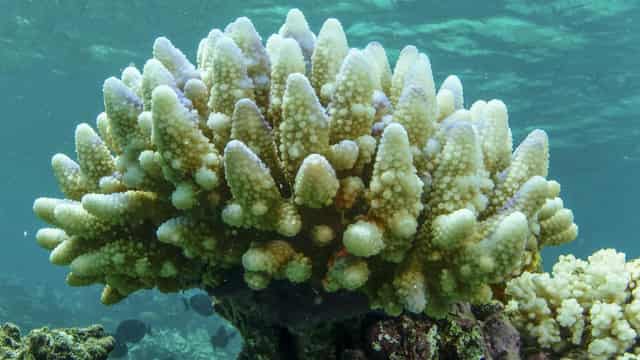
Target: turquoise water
{"type": "Point", "coordinates": [567, 66]}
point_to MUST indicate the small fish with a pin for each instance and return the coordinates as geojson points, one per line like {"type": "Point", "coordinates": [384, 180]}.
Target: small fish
{"type": "Point", "coordinates": [221, 338]}
{"type": "Point", "coordinates": [132, 331]}
{"type": "Point", "coordinates": [201, 304]}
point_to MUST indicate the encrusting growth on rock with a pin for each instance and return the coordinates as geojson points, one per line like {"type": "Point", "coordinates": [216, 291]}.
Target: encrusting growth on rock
{"type": "Point", "coordinates": [90, 343]}
{"type": "Point", "coordinates": [301, 160]}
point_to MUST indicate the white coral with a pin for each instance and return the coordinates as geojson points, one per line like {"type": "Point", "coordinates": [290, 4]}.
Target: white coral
{"type": "Point", "coordinates": [596, 301]}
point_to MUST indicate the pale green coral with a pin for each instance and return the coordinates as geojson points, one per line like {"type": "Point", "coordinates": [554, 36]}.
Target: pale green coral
{"type": "Point", "coordinates": [346, 272]}
{"type": "Point", "coordinates": [286, 59]}
{"type": "Point", "coordinates": [407, 58]}
{"type": "Point", "coordinates": [304, 129]}
{"type": "Point", "coordinates": [392, 190]}
{"type": "Point", "coordinates": [246, 37]}
{"type": "Point", "coordinates": [316, 183]}
{"type": "Point", "coordinates": [297, 28]}
{"type": "Point", "coordinates": [175, 61]}
{"type": "Point", "coordinates": [250, 127]}
{"type": "Point", "coordinates": [186, 154]}
{"type": "Point", "coordinates": [230, 79]}
{"type": "Point", "coordinates": [274, 259]}
{"type": "Point", "coordinates": [350, 108]}
{"type": "Point", "coordinates": [256, 199]}
{"type": "Point", "coordinates": [330, 51]}
{"type": "Point", "coordinates": [595, 302]}
{"type": "Point", "coordinates": [377, 57]}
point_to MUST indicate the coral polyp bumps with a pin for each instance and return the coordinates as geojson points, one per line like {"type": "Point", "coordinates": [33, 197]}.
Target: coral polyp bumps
{"type": "Point", "coordinates": [301, 160]}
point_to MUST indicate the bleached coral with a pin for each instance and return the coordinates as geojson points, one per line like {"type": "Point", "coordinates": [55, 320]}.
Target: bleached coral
{"type": "Point", "coordinates": [591, 307]}
{"type": "Point", "coordinates": [301, 160]}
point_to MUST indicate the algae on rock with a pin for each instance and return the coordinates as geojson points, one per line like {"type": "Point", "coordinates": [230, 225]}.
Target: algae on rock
{"type": "Point", "coordinates": [91, 343]}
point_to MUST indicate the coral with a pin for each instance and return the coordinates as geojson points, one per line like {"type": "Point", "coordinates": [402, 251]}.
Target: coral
{"type": "Point", "coordinates": [90, 343]}
{"type": "Point", "coordinates": [305, 161]}
{"type": "Point", "coordinates": [11, 341]}
{"type": "Point", "coordinates": [582, 307]}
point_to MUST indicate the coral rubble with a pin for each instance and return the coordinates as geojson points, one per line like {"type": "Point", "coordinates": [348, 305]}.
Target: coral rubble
{"type": "Point", "coordinates": [301, 160]}
{"type": "Point", "coordinates": [90, 343]}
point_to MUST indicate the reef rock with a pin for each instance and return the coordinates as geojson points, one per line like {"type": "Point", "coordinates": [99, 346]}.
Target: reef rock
{"type": "Point", "coordinates": [91, 343]}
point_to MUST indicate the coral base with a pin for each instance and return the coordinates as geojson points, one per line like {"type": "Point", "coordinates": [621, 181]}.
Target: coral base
{"type": "Point", "coordinates": [286, 322]}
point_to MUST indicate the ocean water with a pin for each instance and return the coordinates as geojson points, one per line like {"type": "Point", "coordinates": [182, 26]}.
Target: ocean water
{"type": "Point", "coordinates": [570, 67]}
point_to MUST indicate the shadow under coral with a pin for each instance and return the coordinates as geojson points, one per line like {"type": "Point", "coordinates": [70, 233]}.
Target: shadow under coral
{"type": "Point", "coordinates": [292, 322]}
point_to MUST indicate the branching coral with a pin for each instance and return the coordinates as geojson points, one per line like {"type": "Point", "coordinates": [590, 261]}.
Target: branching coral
{"type": "Point", "coordinates": [301, 160]}
{"type": "Point", "coordinates": [589, 307]}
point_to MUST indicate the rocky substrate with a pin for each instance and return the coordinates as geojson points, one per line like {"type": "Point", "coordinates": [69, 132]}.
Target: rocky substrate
{"type": "Point", "coordinates": [91, 343]}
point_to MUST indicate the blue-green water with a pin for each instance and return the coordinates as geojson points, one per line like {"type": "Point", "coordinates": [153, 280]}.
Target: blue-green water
{"type": "Point", "coordinates": [570, 67]}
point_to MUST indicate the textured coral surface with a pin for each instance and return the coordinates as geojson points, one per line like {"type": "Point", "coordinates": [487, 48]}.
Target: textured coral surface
{"type": "Point", "coordinates": [303, 160]}
{"type": "Point", "coordinates": [582, 309]}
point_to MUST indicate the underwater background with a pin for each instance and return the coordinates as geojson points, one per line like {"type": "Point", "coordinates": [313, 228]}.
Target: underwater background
{"type": "Point", "coordinates": [569, 67]}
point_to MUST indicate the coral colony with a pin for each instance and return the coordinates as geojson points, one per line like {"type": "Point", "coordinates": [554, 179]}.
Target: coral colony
{"type": "Point", "coordinates": [302, 160]}
{"type": "Point", "coordinates": [308, 161]}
